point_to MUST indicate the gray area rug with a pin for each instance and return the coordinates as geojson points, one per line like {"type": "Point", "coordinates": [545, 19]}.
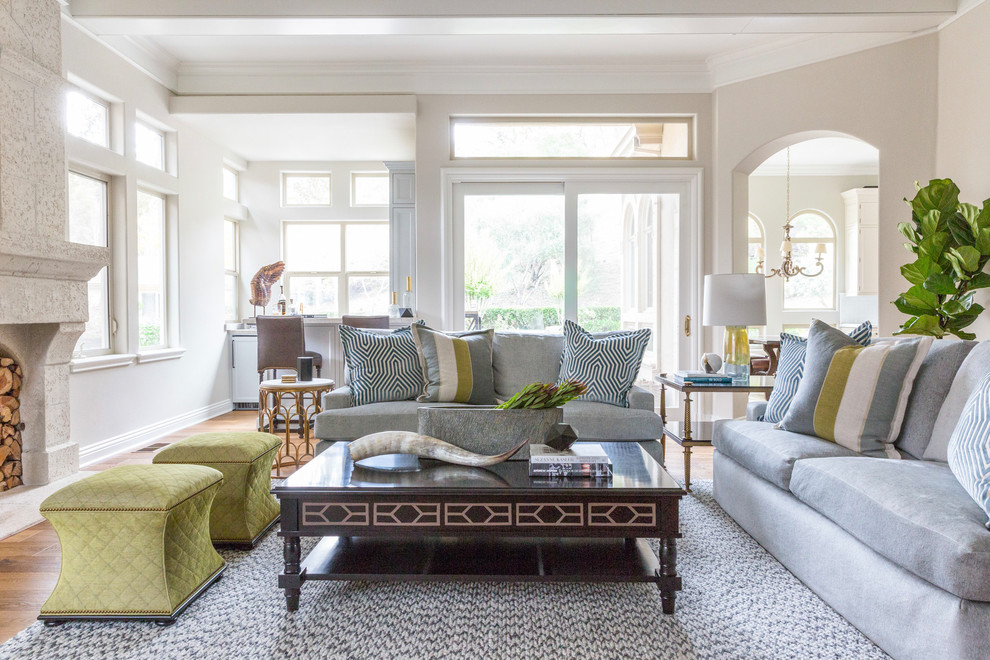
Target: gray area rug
{"type": "Point", "coordinates": [737, 602]}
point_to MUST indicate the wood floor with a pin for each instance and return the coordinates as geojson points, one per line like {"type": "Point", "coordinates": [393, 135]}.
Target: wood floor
{"type": "Point", "coordinates": [29, 560]}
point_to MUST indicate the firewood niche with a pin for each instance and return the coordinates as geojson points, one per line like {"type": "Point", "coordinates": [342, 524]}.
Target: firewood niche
{"type": "Point", "coordinates": [10, 424]}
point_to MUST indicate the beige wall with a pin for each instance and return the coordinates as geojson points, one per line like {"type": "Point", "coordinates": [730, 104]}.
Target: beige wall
{"type": "Point", "coordinates": [885, 96]}
{"type": "Point", "coordinates": [963, 153]}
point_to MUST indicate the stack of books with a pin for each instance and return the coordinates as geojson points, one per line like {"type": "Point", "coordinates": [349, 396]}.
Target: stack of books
{"type": "Point", "coordinates": [288, 378]}
{"type": "Point", "coordinates": [587, 461]}
{"type": "Point", "coordinates": [684, 377]}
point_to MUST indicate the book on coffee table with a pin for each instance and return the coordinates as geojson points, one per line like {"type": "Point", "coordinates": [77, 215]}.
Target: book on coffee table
{"type": "Point", "coordinates": [590, 461]}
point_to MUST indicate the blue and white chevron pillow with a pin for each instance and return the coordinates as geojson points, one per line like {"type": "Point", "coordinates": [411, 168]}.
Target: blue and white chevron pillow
{"type": "Point", "coordinates": [383, 366]}
{"type": "Point", "coordinates": [969, 446]}
{"type": "Point", "coordinates": [790, 370]}
{"type": "Point", "coordinates": [607, 365]}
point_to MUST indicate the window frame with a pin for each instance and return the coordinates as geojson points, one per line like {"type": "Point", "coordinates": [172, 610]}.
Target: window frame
{"type": "Point", "coordinates": [165, 338]}
{"type": "Point", "coordinates": [107, 180]}
{"type": "Point", "coordinates": [236, 271]}
{"type": "Point", "coordinates": [688, 120]}
{"type": "Point", "coordinates": [359, 174]}
{"type": "Point", "coordinates": [237, 184]}
{"type": "Point", "coordinates": [313, 174]}
{"type": "Point", "coordinates": [99, 100]}
{"type": "Point", "coordinates": [833, 241]}
{"type": "Point", "coordinates": [343, 275]}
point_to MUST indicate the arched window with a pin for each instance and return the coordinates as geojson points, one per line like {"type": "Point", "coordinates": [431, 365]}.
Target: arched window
{"type": "Point", "coordinates": [757, 242]}
{"type": "Point", "coordinates": [812, 232]}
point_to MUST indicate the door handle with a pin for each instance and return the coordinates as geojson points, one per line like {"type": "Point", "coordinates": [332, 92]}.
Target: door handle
{"type": "Point", "coordinates": [687, 325]}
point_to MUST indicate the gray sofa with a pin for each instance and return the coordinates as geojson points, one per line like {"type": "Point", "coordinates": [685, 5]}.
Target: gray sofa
{"type": "Point", "coordinates": [897, 547]}
{"type": "Point", "coordinates": [517, 359]}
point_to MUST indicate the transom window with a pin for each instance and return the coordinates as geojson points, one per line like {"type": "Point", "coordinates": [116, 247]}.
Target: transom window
{"type": "Point", "coordinates": [306, 189]}
{"type": "Point", "coordinates": [811, 230]}
{"type": "Point", "coordinates": [369, 189]}
{"type": "Point", "coordinates": [757, 242]}
{"type": "Point", "coordinates": [582, 137]}
{"type": "Point", "coordinates": [337, 267]}
{"type": "Point", "coordinates": [231, 269]}
{"type": "Point", "coordinates": [231, 184]}
{"type": "Point", "coordinates": [149, 145]}
{"type": "Point", "coordinates": [88, 118]}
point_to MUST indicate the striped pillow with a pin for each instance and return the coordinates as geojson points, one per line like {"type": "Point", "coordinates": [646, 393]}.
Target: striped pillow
{"type": "Point", "coordinates": [458, 367]}
{"type": "Point", "coordinates": [863, 395]}
{"type": "Point", "coordinates": [383, 366]}
{"type": "Point", "coordinates": [969, 447]}
{"type": "Point", "coordinates": [607, 365]}
{"type": "Point", "coordinates": [790, 369]}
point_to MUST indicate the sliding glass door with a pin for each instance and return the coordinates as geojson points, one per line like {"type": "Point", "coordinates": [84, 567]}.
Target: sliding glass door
{"type": "Point", "coordinates": [609, 254]}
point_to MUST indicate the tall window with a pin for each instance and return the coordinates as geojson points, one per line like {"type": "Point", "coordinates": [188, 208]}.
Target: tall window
{"type": "Point", "coordinates": [231, 184]}
{"type": "Point", "coordinates": [369, 189]}
{"type": "Point", "coordinates": [337, 268]}
{"type": "Point", "coordinates": [88, 199]}
{"type": "Point", "coordinates": [306, 189]}
{"type": "Point", "coordinates": [757, 243]}
{"type": "Point", "coordinates": [231, 245]}
{"type": "Point", "coordinates": [151, 270]}
{"type": "Point", "coordinates": [149, 144]}
{"type": "Point", "coordinates": [811, 229]}
{"type": "Point", "coordinates": [88, 118]}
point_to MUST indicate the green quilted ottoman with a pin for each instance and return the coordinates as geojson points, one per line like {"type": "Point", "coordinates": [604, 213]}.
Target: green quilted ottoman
{"type": "Point", "coordinates": [245, 508]}
{"type": "Point", "coordinates": [135, 543]}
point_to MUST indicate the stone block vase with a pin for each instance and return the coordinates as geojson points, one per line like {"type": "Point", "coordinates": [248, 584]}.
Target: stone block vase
{"type": "Point", "coordinates": [489, 430]}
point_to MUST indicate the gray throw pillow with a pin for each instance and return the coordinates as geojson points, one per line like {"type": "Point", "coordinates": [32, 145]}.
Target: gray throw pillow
{"type": "Point", "coordinates": [971, 371]}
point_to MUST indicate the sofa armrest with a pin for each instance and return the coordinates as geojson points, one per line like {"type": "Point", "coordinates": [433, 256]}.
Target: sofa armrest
{"type": "Point", "coordinates": [640, 399]}
{"type": "Point", "coordinates": [338, 398]}
{"type": "Point", "coordinates": [755, 410]}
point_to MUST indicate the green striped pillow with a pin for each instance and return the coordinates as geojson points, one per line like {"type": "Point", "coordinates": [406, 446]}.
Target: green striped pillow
{"type": "Point", "coordinates": [458, 367]}
{"type": "Point", "coordinates": [864, 395]}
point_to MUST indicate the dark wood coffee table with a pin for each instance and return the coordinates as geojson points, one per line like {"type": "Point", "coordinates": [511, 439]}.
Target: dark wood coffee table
{"type": "Point", "coordinates": [447, 522]}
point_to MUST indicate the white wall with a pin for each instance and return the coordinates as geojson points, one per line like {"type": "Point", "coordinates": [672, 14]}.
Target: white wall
{"type": "Point", "coordinates": [963, 153]}
{"type": "Point", "coordinates": [112, 409]}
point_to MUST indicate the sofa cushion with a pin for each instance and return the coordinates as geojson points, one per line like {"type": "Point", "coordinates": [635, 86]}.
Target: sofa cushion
{"type": "Point", "coordinates": [456, 368]}
{"type": "Point", "coordinates": [969, 447]}
{"type": "Point", "coordinates": [768, 452]}
{"type": "Point", "coordinates": [351, 423]}
{"type": "Point", "coordinates": [383, 367]}
{"type": "Point", "coordinates": [971, 371]}
{"type": "Point", "coordinates": [519, 359]}
{"type": "Point", "coordinates": [607, 365]}
{"type": "Point", "coordinates": [931, 386]}
{"type": "Point", "coordinates": [914, 513]}
{"type": "Point", "coordinates": [602, 421]}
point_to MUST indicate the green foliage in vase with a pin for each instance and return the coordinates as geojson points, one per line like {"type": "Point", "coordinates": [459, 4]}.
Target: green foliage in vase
{"type": "Point", "coordinates": [951, 242]}
{"type": "Point", "coordinates": [536, 396]}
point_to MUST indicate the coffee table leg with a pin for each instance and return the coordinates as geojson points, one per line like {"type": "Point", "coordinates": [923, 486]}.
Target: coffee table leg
{"type": "Point", "coordinates": [292, 557]}
{"type": "Point", "coordinates": [668, 571]}
{"type": "Point", "coordinates": [687, 468]}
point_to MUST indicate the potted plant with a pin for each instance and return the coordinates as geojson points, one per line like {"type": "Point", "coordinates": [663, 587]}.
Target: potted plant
{"type": "Point", "coordinates": [951, 242]}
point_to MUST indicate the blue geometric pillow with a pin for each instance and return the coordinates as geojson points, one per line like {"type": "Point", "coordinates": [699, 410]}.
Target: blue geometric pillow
{"type": "Point", "coordinates": [607, 365]}
{"type": "Point", "coordinates": [790, 370]}
{"type": "Point", "coordinates": [383, 366]}
{"type": "Point", "coordinates": [969, 447]}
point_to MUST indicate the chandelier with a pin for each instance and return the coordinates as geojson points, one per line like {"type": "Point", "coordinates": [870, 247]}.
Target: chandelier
{"type": "Point", "coordinates": [788, 268]}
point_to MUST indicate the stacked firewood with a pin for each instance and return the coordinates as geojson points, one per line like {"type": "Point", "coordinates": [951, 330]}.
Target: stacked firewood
{"type": "Point", "coordinates": [10, 424]}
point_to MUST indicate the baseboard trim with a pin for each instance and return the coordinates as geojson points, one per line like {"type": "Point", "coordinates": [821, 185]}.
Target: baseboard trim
{"type": "Point", "coordinates": [148, 434]}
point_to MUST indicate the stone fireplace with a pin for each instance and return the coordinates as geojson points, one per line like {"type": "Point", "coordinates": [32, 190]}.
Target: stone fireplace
{"type": "Point", "coordinates": [43, 296]}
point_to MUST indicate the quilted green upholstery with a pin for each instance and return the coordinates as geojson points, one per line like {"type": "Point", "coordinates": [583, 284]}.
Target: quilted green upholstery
{"type": "Point", "coordinates": [244, 506]}
{"type": "Point", "coordinates": [144, 551]}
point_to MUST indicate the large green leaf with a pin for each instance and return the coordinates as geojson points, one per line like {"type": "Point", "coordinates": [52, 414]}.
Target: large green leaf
{"type": "Point", "coordinates": [969, 213]}
{"type": "Point", "coordinates": [917, 272]}
{"type": "Point", "coordinates": [962, 334]}
{"type": "Point", "coordinates": [983, 241]}
{"type": "Point", "coordinates": [932, 222]}
{"type": "Point", "coordinates": [983, 219]}
{"type": "Point", "coordinates": [979, 281]}
{"type": "Point", "coordinates": [933, 246]}
{"type": "Point", "coordinates": [940, 283]}
{"type": "Point", "coordinates": [962, 232]}
{"type": "Point", "coordinates": [939, 194]}
{"type": "Point", "coordinates": [969, 257]}
{"type": "Point", "coordinates": [926, 324]}
{"type": "Point", "coordinates": [909, 232]}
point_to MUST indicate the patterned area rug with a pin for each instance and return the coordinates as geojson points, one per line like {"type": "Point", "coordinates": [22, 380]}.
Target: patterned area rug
{"type": "Point", "coordinates": [737, 602]}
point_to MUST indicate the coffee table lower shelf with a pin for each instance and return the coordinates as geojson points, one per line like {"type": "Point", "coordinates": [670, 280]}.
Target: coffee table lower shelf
{"type": "Point", "coordinates": [503, 559]}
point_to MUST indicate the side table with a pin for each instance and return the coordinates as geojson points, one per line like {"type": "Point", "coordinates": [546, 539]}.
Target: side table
{"type": "Point", "coordinates": [688, 433]}
{"type": "Point", "coordinates": [272, 404]}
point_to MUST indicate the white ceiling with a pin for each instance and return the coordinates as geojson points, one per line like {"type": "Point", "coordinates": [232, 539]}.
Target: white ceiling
{"type": "Point", "coordinates": [824, 156]}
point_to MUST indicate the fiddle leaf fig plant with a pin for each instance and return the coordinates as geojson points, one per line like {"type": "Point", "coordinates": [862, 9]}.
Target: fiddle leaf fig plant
{"type": "Point", "coordinates": [951, 242]}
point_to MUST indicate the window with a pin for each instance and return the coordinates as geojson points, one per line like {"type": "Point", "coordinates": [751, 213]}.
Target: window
{"type": "Point", "coordinates": [369, 189]}
{"type": "Point", "coordinates": [231, 184]}
{"type": "Point", "coordinates": [587, 137]}
{"type": "Point", "coordinates": [337, 268]}
{"type": "Point", "coordinates": [88, 118]}
{"type": "Point", "coordinates": [231, 244]}
{"type": "Point", "coordinates": [757, 243]}
{"type": "Point", "coordinates": [812, 231]}
{"type": "Point", "coordinates": [88, 221]}
{"type": "Point", "coordinates": [149, 145]}
{"type": "Point", "coordinates": [151, 271]}
{"type": "Point", "coordinates": [306, 189]}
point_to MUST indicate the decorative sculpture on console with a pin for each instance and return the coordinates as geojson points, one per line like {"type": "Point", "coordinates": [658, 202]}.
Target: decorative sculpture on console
{"type": "Point", "coordinates": [261, 284]}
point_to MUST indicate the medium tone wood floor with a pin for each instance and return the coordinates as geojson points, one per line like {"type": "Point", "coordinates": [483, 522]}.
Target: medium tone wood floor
{"type": "Point", "coordinates": [29, 560]}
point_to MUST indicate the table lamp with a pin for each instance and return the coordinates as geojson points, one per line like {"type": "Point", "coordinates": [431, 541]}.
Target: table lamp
{"type": "Point", "coordinates": [735, 300]}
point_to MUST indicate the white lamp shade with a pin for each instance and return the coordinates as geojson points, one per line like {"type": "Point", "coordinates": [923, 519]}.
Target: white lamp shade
{"type": "Point", "coordinates": [735, 299]}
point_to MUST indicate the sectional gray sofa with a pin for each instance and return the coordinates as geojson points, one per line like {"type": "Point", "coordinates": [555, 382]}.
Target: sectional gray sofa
{"type": "Point", "coordinates": [897, 547]}
{"type": "Point", "coordinates": [517, 359]}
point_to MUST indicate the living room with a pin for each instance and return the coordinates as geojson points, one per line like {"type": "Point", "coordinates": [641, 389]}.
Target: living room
{"type": "Point", "coordinates": [541, 169]}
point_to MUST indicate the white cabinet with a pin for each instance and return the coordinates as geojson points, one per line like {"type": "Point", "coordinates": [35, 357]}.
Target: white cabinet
{"type": "Point", "coordinates": [862, 241]}
{"type": "Point", "coordinates": [244, 369]}
{"type": "Point", "coordinates": [402, 223]}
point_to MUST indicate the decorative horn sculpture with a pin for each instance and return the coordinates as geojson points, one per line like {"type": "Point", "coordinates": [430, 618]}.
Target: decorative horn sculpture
{"type": "Point", "coordinates": [405, 442]}
{"type": "Point", "coordinates": [261, 283]}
